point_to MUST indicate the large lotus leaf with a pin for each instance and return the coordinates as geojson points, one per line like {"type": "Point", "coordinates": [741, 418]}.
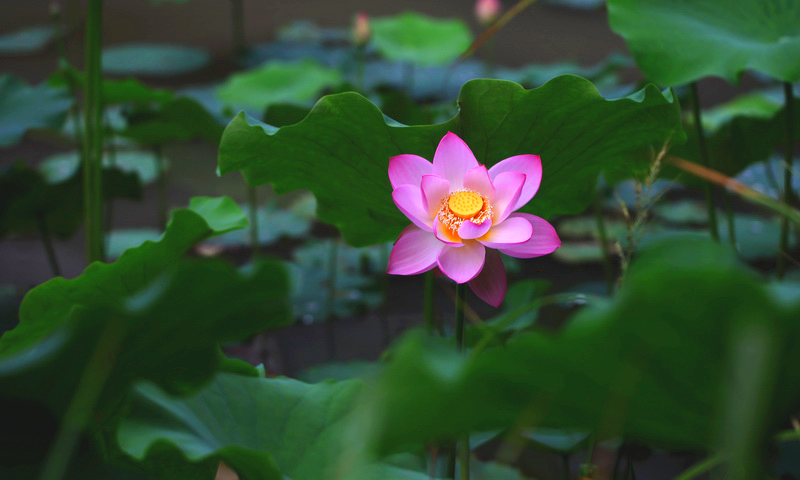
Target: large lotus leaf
{"type": "Point", "coordinates": [23, 107]}
{"type": "Point", "coordinates": [181, 118]}
{"type": "Point", "coordinates": [47, 306]}
{"type": "Point", "coordinates": [341, 150]}
{"type": "Point", "coordinates": [276, 81]}
{"type": "Point", "coordinates": [29, 201]}
{"type": "Point", "coordinates": [157, 60]}
{"type": "Point", "coordinates": [657, 364]}
{"type": "Point", "coordinates": [415, 38]}
{"type": "Point", "coordinates": [263, 428]}
{"type": "Point", "coordinates": [679, 41]}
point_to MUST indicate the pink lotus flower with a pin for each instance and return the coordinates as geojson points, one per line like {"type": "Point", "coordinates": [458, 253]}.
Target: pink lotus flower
{"type": "Point", "coordinates": [458, 208]}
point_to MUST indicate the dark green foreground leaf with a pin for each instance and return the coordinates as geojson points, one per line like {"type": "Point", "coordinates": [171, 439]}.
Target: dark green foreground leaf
{"type": "Point", "coordinates": [167, 315]}
{"type": "Point", "coordinates": [665, 363]}
{"type": "Point", "coordinates": [341, 150]}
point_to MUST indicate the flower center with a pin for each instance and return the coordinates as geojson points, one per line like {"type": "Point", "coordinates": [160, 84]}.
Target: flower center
{"type": "Point", "coordinates": [463, 205]}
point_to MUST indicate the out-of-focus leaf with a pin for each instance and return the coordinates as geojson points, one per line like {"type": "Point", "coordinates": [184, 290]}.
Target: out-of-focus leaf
{"type": "Point", "coordinates": [739, 133]}
{"type": "Point", "coordinates": [339, 371]}
{"type": "Point", "coordinates": [27, 41]}
{"type": "Point", "coordinates": [276, 81]}
{"type": "Point", "coordinates": [117, 241]}
{"type": "Point", "coordinates": [62, 166]}
{"type": "Point", "coordinates": [356, 288]}
{"type": "Point", "coordinates": [128, 90]}
{"type": "Point", "coordinates": [652, 365]}
{"type": "Point", "coordinates": [180, 119]}
{"type": "Point", "coordinates": [155, 60]}
{"type": "Point", "coordinates": [419, 39]}
{"type": "Point", "coordinates": [23, 108]}
{"type": "Point", "coordinates": [676, 42]}
{"type": "Point", "coordinates": [341, 150]}
{"type": "Point", "coordinates": [27, 198]}
{"type": "Point", "coordinates": [262, 428]}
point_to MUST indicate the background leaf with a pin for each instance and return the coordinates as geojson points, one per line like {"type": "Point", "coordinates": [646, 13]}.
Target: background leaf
{"type": "Point", "coordinates": [156, 60]}
{"type": "Point", "coordinates": [679, 41]}
{"type": "Point", "coordinates": [23, 108]}
{"type": "Point", "coordinates": [419, 39]}
{"type": "Point", "coordinates": [275, 81]}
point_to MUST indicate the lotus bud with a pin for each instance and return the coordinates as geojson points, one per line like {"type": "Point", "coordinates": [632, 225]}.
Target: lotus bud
{"type": "Point", "coordinates": [487, 11]}
{"type": "Point", "coordinates": [361, 30]}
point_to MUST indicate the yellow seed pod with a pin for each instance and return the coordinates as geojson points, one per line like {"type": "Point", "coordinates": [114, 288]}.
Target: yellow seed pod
{"type": "Point", "coordinates": [465, 204]}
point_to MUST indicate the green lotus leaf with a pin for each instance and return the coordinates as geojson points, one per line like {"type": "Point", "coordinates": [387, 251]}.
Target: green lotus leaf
{"type": "Point", "coordinates": [419, 39]}
{"type": "Point", "coordinates": [341, 150]}
{"type": "Point", "coordinates": [666, 362]}
{"type": "Point", "coordinates": [277, 82]}
{"type": "Point", "coordinates": [679, 41]}
{"type": "Point", "coordinates": [23, 107]}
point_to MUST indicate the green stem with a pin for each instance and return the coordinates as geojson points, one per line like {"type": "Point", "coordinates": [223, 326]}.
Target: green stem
{"type": "Point", "coordinates": [565, 464]}
{"type": "Point", "coordinates": [463, 450]}
{"type": "Point", "coordinates": [112, 161]}
{"type": "Point", "coordinates": [699, 468]}
{"type": "Point", "coordinates": [713, 228]}
{"type": "Point", "coordinates": [409, 73]}
{"type": "Point", "coordinates": [81, 407]}
{"type": "Point", "coordinates": [163, 206]}
{"type": "Point", "coordinates": [47, 241]}
{"type": "Point", "coordinates": [333, 255]}
{"type": "Point", "coordinates": [93, 134]}
{"type": "Point", "coordinates": [731, 217]}
{"type": "Point", "coordinates": [386, 330]}
{"type": "Point", "coordinates": [787, 176]}
{"type": "Point", "coordinates": [237, 30]}
{"type": "Point", "coordinates": [608, 268]}
{"type": "Point", "coordinates": [360, 63]}
{"type": "Point", "coordinates": [252, 205]}
{"type": "Point", "coordinates": [428, 302]}
{"type": "Point", "coordinates": [463, 458]}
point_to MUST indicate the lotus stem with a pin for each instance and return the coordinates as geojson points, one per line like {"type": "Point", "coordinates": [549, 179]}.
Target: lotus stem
{"type": "Point", "coordinates": [252, 205]}
{"type": "Point", "coordinates": [163, 207]}
{"type": "Point", "coordinates": [428, 302]}
{"type": "Point", "coordinates": [81, 407]}
{"type": "Point", "coordinates": [608, 268]}
{"type": "Point", "coordinates": [237, 30]}
{"type": "Point", "coordinates": [47, 241]}
{"type": "Point", "coordinates": [463, 447]}
{"type": "Point", "coordinates": [713, 228]}
{"type": "Point", "coordinates": [93, 134]}
{"type": "Point", "coordinates": [787, 177]}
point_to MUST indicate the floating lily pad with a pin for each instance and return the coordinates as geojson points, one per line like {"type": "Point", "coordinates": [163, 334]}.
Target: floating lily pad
{"type": "Point", "coordinates": [419, 39]}
{"type": "Point", "coordinates": [62, 166]}
{"type": "Point", "coordinates": [299, 82]}
{"type": "Point", "coordinates": [27, 41]}
{"type": "Point", "coordinates": [679, 41]}
{"type": "Point", "coordinates": [157, 60]}
{"type": "Point", "coordinates": [23, 108]}
{"type": "Point", "coordinates": [117, 241]}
